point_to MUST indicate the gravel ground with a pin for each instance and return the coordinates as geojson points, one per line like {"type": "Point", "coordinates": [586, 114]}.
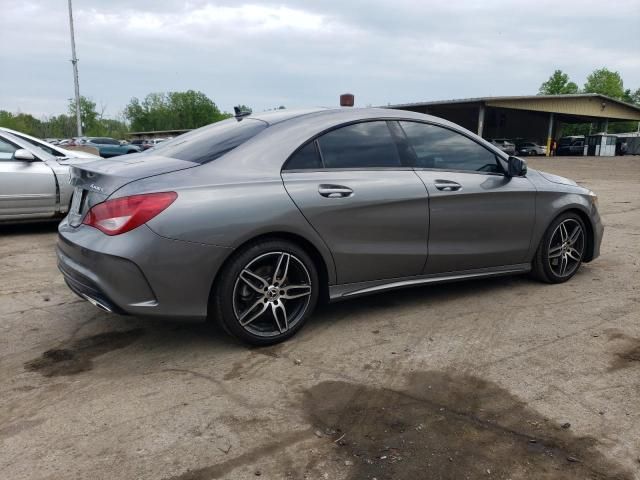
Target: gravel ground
{"type": "Point", "coordinates": [502, 378]}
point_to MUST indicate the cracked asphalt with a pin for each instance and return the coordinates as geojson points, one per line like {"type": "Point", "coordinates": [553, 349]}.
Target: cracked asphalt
{"type": "Point", "coordinates": [503, 378]}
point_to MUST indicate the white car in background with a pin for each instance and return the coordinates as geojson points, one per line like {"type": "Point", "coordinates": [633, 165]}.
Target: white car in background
{"type": "Point", "coordinates": [504, 144]}
{"type": "Point", "coordinates": [55, 150]}
{"type": "Point", "coordinates": [531, 148]}
{"type": "Point", "coordinates": [33, 183]}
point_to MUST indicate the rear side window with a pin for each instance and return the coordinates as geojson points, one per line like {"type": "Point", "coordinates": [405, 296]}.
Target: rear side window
{"type": "Point", "coordinates": [208, 143]}
{"type": "Point", "coordinates": [361, 145]}
{"type": "Point", "coordinates": [441, 148]}
{"type": "Point", "coordinates": [307, 158]}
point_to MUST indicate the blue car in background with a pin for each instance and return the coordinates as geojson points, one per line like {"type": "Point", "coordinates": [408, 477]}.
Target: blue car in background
{"type": "Point", "coordinates": [110, 147]}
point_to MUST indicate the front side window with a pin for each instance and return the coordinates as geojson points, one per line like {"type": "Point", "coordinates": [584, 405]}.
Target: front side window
{"type": "Point", "coordinates": [441, 148]}
{"type": "Point", "coordinates": [6, 150]}
{"type": "Point", "coordinates": [361, 145]}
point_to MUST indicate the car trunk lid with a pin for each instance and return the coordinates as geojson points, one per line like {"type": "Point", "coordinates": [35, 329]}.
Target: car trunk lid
{"type": "Point", "coordinates": [95, 181]}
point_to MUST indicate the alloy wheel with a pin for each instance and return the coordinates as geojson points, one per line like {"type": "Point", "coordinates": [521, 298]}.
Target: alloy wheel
{"type": "Point", "coordinates": [271, 294]}
{"type": "Point", "coordinates": [566, 248]}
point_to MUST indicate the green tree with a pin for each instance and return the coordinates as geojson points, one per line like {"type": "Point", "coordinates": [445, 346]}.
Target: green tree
{"type": "Point", "coordinates": [558, 84]}
{"type": "Point", "coordinates": [88, 115]}
{"type": "Point", "coordinates": [22, 122]}
{"type": "Point", "coordinates": [632, 97]}
{"type": "Point", "coordinates": [605, 82]}
{"type": "Point", "coordinates": [172, 111]}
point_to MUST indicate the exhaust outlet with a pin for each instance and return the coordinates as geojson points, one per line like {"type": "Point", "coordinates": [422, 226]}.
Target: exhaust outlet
{"type": "Point", "coordinates": [97, 303]}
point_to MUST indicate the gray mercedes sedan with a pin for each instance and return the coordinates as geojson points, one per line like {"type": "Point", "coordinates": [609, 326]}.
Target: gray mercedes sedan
{"type": "Point", "coordinates": [253, 220]}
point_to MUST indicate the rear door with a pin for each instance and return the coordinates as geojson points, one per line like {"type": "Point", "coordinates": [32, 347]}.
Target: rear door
{"type": "Point", "coordinates": [369, 208]}
{"type": "Point", "coordinates": [479, 217]}
{"type": "Point", "coordinates": [27, 188]}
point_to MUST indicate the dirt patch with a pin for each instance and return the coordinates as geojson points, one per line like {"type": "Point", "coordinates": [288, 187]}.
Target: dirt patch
{"type": "Point", "coordinates": [627, 357]}
{"type": "Point", "coordinates": [628, 354]}
{"type": "Point", "coordinates": [447, 426]}
{"type": "Point", "coordinates": [18, 427]}
{"type": "Point", "coordinates": [221, 469]}
{"type": "Point", "coordinates": [79, 354]}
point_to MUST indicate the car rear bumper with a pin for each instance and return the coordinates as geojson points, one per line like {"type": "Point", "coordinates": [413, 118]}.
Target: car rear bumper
{"type": "Point", "coordinates": [139, 272]}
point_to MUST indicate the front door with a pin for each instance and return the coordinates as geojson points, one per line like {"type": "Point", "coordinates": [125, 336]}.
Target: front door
{"type": "Point", "coordinates": [479, 217]}
{"type": "Point", "coordinates": [369, 208]}
{"type": "Point", "coordinates": [27, 188]}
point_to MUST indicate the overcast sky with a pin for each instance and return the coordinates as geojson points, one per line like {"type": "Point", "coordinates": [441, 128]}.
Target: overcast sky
{"type": "Point", "coordinates": [305, 53]}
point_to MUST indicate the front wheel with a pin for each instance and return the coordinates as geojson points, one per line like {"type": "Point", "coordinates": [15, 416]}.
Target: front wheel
{"type": "Point", "coordinates": [561, 250]}
{"type": "Point", "coordinates": [266, 292]}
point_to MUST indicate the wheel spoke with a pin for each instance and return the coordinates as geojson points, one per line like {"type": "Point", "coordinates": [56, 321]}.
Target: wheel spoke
{"type": "Point", "coordinates": [564, 235]}
{"type": "Point", "coordinates": [296, 291]}
{"type": "Point", "coordinates": [254, 281]}
{"type": "Point", "coordinates": [280, 316]}
{"type": "Point", "coordinates": [563, 265]}
{"type": "Point", "coordinates": [555, 252]}
{"type": "Point", "coordinates": [282, 268]}
{"type": "Point", "coordinates": [574, 254]}
{"type": "Point", "coordinates": [253, 308]}
{"type": "Point", "coordinates": [575, 235]}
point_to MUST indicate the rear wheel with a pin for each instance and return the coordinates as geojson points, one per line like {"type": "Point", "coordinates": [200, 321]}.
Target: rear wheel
{"type": "Point", "coordinates": [561, 250]}
{"type": "Point", "coordinates": [266, 292]}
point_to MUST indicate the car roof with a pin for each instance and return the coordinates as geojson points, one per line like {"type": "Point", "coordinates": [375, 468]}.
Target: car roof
{"type": "Point", "coordinates": [17, 134]}
{"type": "Point", "coordinates": [344, 114]}
{"type": "Point", "coordinates": [26, 145]}
{"type": "Point", "coordinates": [288, 133]}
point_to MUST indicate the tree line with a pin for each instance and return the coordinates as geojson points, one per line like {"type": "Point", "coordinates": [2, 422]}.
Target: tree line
{"type": "Point", "coordinates": [193, 109]}
{"type": "Point", "coordinates": [157, 111]}
{"type": "Point", "coordinates": [602, 81]}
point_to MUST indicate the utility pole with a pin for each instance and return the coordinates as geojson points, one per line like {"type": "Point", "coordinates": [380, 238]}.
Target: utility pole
{"type": "Point", "coordinates": [74, 62]}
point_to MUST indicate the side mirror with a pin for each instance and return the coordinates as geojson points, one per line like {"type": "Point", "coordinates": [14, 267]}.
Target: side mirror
{"type": "Point", "coordinates": [23, 154]}
{"type": "Point", "coordinates": [516, 167]}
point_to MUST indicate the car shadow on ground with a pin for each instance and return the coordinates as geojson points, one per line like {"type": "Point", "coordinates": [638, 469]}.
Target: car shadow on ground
{"type": "Point", "coordinates": [15, 229]}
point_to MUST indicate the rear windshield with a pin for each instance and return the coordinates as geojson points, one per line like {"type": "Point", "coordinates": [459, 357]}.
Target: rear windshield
{"type": "Point", "coordinates": [208, 143]}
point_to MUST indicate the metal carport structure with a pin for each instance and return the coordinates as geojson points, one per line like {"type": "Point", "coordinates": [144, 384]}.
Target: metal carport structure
{"type": "Point", "coordinates": [531, 117]}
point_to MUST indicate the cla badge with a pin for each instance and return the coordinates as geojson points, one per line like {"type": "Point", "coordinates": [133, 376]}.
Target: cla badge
{"type": "Point", "coordinates": [95, 187]}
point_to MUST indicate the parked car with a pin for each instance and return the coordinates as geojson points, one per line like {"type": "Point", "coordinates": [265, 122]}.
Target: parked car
{"type": "Point", "coordinates": [505, 145]}
{"type": "Point", "coordinates": [144, 144]}
{"type": "Point", "coordinates": [110, 147]}
{"type": "Point", "coordinates": [33, 183]}
{"type": "Point", "coordinates": [254, 220]}
{"type": "Point", "coordinates": [571, 145]}
{"type": "Point", "coordinates": [52, 141]}
{"type": "Point", "coordinates": [54, 150]}
{"type": "Point", "coordinates": [531, 148]}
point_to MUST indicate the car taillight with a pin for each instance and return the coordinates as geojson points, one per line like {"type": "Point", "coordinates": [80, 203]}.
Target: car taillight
{"type": "Point", "coordinates": [120, 215]}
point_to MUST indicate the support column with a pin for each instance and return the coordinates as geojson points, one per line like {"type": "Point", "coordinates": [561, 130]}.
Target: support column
{"type": "Point", "coordinates": [481, 119]}
{"type": "Point", "coordinates": [606, 125]}
{"type": "Point", "coordinates": [550, 134]}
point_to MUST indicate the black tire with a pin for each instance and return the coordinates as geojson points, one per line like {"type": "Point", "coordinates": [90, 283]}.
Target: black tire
{"type": "Point", "coordinates": [234, 295]}
{"type": "Point", "coordinates": [557, 259]}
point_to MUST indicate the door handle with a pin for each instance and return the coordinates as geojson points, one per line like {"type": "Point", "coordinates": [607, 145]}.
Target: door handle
{"type": "Point", "coordinates": [334, 191]}
{"type": "Point", "coordinates": [447, 186]}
